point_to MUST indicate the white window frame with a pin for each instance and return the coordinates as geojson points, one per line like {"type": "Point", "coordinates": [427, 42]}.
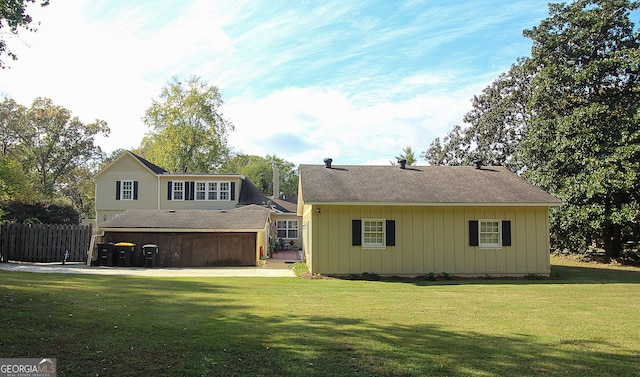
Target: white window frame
{"type": "Point", "coordinates": [213, 191]}
{"type": "Point", "coordinates": [484, 231]}
{"type": "Point", "coordinates": [201, 190]}
{"type": "Point", "coordinates": [174, 190]}
{"type": "Point", "coordinates": [374, 238]}
{"type": "Point", "coordinates": [288, 229]}
{"type": "Point", "coordinates": [126, 193]}
{"type": "Point", "coordinates": [224, 194]}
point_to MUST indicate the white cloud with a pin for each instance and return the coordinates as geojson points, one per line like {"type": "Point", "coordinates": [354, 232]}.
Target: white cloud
{"type": "Point", "coordinates": [305, 125]}
{"type": "Point", "coordinates": [304, 81]}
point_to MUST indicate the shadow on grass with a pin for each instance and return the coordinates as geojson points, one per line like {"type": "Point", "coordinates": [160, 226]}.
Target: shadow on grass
{"type": "Point", "coordinates": [139, 326]}
{"type": "Point", "coordinates": [559, 275]}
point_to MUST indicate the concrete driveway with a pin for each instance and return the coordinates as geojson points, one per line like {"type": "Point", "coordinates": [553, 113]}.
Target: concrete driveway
{"type": "Point", "coordinates": [274, 268]}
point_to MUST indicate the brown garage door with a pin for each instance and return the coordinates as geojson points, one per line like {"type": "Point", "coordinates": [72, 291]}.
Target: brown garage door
{"type": "Point", "coordinates": [196, 249]}
{"type": "Point", "coordinates": [221, 249]}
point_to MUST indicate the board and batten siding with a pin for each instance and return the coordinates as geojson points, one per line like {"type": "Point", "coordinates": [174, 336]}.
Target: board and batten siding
{"type": "Point", "coordinates": [428, 239]}
{"type": "Point", "coordinates": [125, 168]}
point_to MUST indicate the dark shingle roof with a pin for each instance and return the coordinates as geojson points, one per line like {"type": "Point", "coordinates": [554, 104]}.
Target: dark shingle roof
{"type": "Point", "coordinates": [418, 184]}
{"type": "Point", "coordinates": [289, 204]}
{"type": "Point", "coordinates": [154, 168]}
{"type": "Point", "coordinates": [243, 218]}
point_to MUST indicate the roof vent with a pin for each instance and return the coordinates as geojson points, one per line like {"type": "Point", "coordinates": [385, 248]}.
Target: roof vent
{"type": "Point", "coordinates": [172, 211]}
{"type": "Point", "coordinates": [402, 163]}
{"type": "Point", "coordinates": [477, 164]}
{"type": "Point", "coordinates": [327, 163]}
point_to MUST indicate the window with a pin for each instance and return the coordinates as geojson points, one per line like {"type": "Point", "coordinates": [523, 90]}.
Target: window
{"type": "Point", "coordinates": [127, 190]}
{"type": "Point", "coordinates": [224, 191]}
{"type": "Point", "coordinates": [489, 233]}
{"type": "Point", "coordinates": [373, 233]}
{"type": "Point", "coordinates": [287, 229]}
{"type": "Point", "coordinates": [201, 190]}
{"type": "Point", "coordinates": [198, 190]}
{"type": "Point", "coordinates": [212, 190]}
{"type": "Point", "coordinates": [178, 190]}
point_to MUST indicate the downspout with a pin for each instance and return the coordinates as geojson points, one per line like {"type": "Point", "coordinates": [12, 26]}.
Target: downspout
{"type": "Point", "coordinates": [158, 193]}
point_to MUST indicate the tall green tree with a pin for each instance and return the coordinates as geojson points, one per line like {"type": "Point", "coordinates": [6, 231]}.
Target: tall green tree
{"type": "Point", "coordinates": [259, 170]}
{"type": "Point", "coordinates": [454, 149]}
{"type": "Point", "coordinates": [497, 122]}
{"type": "Point", "coordinates": [11, 116]}
{"type": "Point", "coordinates": [188, 131]}
{"type": "Point", "coordinates": [13, 15]}
{"type": "Point", "coordinates": [53, 143]}
{"type": "Point", "coordinates": [583, 143]}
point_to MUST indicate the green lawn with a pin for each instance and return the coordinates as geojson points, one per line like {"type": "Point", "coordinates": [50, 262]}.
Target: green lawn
{"type": "Point", "coordinates": [587, 323]}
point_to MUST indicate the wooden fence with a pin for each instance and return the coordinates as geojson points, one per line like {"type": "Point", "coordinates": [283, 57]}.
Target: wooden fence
{"type": "Point", "coordinates": [44, 242]}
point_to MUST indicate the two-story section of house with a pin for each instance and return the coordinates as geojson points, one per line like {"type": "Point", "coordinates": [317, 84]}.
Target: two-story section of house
{"type": "Point", "coordinates": [194, 219]}
{"type": "Point", "coordinates": [131, 182]}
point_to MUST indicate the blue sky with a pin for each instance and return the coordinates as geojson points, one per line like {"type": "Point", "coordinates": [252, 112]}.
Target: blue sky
{"type": "Point", "coordinates": [353, 80]}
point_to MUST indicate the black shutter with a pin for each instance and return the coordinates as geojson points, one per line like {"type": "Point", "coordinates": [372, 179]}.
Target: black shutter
{"type": "Point", "coordinates": [473, 233]}
{"type": "Point", "coordinates": [189, 190]}
{"type": "Point", "coordinates": [117, 190]}
{"type": "Point", "coordinates": [391, 232]}
{"type": "Point", "coordinates": [135, 190]}
{"type": "Point", "coordinates": [356, 232]}
{"type": "Point", "coordinates": [169, 188]}
{"type": "Point", "coordinates": [506, 233]}
{"type": "Point", "coordinates": [233, 191]}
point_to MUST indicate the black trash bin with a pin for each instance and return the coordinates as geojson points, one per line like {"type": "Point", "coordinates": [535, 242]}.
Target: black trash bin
{"type": "Point", "coordinates": [125, 254]}
{"type": "Point", "coordinates": [150, 254]}
{"type": "Point", "coordinates": [105, 254]}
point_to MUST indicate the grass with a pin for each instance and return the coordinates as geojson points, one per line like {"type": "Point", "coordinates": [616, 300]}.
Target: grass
{"type": "Point", "coordinates": [583, 324]}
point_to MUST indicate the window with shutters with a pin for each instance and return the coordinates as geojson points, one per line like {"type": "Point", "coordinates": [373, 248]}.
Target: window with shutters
{"type": "Point", "coordinates": [373, 232]}
{"type": "Point", "coordinates": [127, 190]}
{"type": "Point", "coordinates": [489, 233]}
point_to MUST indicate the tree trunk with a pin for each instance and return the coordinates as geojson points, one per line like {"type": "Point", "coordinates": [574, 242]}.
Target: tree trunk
{"type": "Point", "coordinates": [612, 240]}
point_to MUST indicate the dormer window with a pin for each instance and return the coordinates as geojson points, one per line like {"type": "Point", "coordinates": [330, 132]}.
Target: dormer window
{"type": "Point", "coordinates": [178, 190]}
{"type": "Point", "coordinates": [201, 190]}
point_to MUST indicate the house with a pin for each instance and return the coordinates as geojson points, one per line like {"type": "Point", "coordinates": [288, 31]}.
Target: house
{"type": "Point", "coordinates": [287, 223]}
{"type": "Point", "coordinates": [401, 220]}
{"type": "Point", "coordinates": [195, 219]}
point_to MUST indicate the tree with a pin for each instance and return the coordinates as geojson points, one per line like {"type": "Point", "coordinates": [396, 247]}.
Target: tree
{"type": "Point", "coordinates": [42, 213]}
{"type": "Point", "coordinates": [452, 150]}
{"type": "Point", "coordinates": [11, 115]}
{"type": "Point", "coordinates": [14, 184]}
{"type": "Point", "coordinates": [407, 155]}
{"type": "Point", "coordinates": [259, 170]}
{"type": "Point", "coordinates": [189, 134]}
{"type": "Point", "coordinates": [53, 143]}
{"type": "Point", "coordinates": [13, 15]}
{"type": "Point", "coordinates": [78, 187]}
{"type": "Point", "coordinates": [497, 123]}
{"type": "Point", "coordinates": [583, 143]}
